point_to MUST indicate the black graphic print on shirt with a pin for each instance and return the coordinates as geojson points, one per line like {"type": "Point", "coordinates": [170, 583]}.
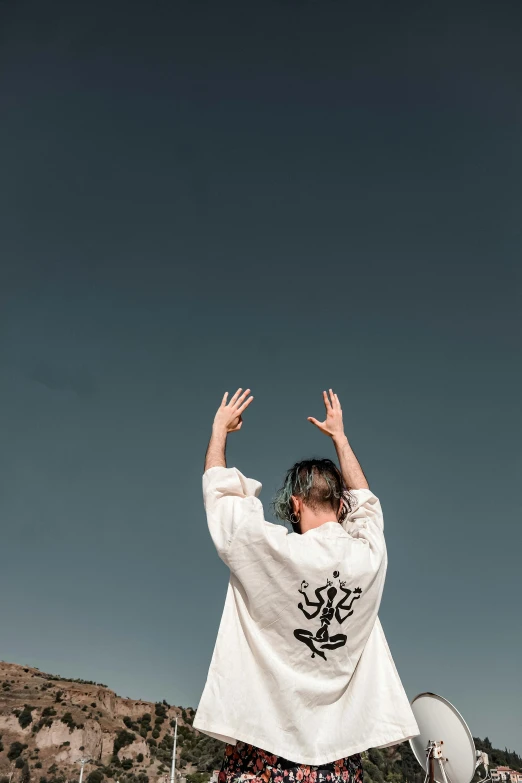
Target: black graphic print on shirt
{"type": "Point", "coordinates": [329, 609]}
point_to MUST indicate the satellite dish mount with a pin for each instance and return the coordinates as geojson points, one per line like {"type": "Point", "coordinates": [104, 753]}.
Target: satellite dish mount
{"type": "Point", "coordinates": [434, 755]}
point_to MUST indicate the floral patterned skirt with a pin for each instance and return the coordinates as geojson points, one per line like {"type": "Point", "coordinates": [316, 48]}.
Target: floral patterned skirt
{"type": "Point", "coordinates": [244, 763]}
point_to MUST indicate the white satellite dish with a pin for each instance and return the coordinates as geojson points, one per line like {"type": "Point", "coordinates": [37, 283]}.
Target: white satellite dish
{"type": "Point", "coordinates": [444, 747]}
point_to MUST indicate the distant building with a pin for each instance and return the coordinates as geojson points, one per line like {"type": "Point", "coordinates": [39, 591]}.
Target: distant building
{"type": "Point", "coordinates": [505, 775]}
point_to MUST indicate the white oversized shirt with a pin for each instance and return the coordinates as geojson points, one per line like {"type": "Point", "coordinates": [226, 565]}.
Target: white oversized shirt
{"type": "Point", "coordinates": [301, 667]}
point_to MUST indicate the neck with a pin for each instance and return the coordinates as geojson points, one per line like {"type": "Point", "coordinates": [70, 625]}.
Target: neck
{"type": "Point", "coordinates": [310, 520]}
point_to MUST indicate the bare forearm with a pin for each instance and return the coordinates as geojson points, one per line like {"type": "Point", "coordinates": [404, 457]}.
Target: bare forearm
{"type": "Point", "coordinates": [353, 475]}
{"type": "Point", "coordinates": [215, 456]}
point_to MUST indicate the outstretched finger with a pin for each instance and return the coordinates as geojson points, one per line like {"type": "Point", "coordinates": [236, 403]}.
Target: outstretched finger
{"type": "Point", "coordinates": [327, 404]}
{"type": "Point", "coordinates": [337, 401]}
{"type": "Point", "coordinates": [245, 405]}
{"type": "Point", "coordinates": [224, 400]}
{"type": "Point", "coordinates": [242, 398]}
{"type": "Point", "coordinates": [236, 395]}
{"type": "Point", "coordinates": [314, 421]}
{"type": "Point", "coordinates": [332, 398]}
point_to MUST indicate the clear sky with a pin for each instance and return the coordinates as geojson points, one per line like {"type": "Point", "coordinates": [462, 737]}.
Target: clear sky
{"type": "Point", "coordinates": [288, 195]}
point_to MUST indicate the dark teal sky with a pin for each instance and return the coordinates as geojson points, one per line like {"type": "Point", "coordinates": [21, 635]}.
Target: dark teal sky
{"type": "Point", "coordinates": [288, 196]}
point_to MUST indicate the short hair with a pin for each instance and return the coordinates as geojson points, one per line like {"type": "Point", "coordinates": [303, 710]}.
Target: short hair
{"type": "Point", "coordinates": [320, 485]}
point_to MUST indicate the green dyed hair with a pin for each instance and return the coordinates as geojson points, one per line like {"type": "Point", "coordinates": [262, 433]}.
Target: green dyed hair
{"type": "Point", "coordinates": [320, 485]}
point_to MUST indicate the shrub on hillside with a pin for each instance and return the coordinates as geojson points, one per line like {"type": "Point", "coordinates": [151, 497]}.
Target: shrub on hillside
{"type": "Point", "coordinates": [160, 710]}
{"type": "Point", "coordinates": [372, 773]}
{"type": "Point", "coordinates": [25, 717]}
{"type": "Point", "coordinates": [145, 724]}
{"type": "Point", "coordinates": [206, 763]}
{"type": "Point", "coordinates": [70, 679]}
{"type": "Point", "coordinates": [15, 750]}
{"type": "Point", "coordinates": [188, 757]}
{"type": "Point", "coordinates": [197, 777]}
{"type": "Point", "coordinates": [67, 718]}
{"type": "Point", "coordinates": [42, 722]}
{"type": "Point", "coordinates": [123, 738]}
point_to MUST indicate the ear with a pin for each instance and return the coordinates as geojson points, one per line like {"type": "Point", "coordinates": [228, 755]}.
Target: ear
{"type": "Point", "coordinates": [295, 504]}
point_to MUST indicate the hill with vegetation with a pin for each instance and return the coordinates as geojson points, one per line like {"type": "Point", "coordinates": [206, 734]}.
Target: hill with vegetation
{"type": "Point", "coordinates": [47, 723]}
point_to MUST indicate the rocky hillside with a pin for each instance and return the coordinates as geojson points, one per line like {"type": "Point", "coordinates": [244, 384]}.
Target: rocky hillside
{"type": "Point", "coordinates": [47, 723]}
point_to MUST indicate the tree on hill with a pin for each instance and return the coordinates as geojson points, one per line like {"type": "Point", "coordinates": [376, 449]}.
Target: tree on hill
{"type": "Point", "coordinates": [197, 777]}
{"type": "Point", "coordinates": [499, 758]}
{"type": "Point", "coordinates": [123, 738]}
{"type": "Point", "coordinates": [15, 750]}
{"type": "Point", "coordinates": [25, 717]}
{"type": "Point", "coordinates": [160, 710]}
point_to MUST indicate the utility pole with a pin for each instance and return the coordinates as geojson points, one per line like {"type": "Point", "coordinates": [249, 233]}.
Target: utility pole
{"type": "Point", "coordinates": [83, 762]}
{"type": "Point", "coordinates": [173, 767]}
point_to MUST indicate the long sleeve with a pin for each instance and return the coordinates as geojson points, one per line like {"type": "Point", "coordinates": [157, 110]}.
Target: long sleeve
{"type": "Point", "coordinates": [231, 500]}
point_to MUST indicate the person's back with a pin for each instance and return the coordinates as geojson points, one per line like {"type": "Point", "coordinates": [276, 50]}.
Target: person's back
{"type": "Point", "coordinates": [301, 668]}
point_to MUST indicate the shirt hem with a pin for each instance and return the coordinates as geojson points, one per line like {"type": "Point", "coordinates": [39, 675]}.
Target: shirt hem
{"type": "Point", "coordinates": [228, 734]}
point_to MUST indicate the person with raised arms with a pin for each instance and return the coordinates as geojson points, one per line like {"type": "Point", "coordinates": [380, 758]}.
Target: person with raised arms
{"type": "Point", "coordinates": [301, 680]}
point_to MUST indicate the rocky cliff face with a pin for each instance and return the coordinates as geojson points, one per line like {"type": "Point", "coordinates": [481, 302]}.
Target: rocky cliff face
{"type": "Point", "coordinates": [47, 724]}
